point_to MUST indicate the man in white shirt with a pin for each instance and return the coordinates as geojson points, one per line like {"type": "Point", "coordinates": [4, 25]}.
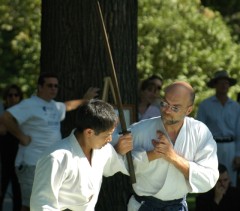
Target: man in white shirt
{"type": "Point", "coordinates": [173, 154]}
{"type": "Point", "coordinates": [69, 174]}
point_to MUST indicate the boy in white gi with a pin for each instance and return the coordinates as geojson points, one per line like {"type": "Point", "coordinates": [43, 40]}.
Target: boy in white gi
{"type": "Point", "coordinates": [178, 154]}
{"type": "Point", "coordinates": [69, 174]}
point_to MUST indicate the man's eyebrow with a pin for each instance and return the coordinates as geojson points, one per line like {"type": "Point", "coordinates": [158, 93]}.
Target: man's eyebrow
{"type": "Point", "coordinates": [169, 104]}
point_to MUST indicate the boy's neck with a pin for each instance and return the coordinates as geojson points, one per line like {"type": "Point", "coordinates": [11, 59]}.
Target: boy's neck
{"type": "Point", "coordinates": [85, 148]}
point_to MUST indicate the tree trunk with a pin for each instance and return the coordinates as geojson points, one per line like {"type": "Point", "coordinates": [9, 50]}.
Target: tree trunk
{"type": "Point", "coordinates": [72, 46]}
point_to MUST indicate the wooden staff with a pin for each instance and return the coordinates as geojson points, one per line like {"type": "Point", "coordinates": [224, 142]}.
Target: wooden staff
{"type": "Point", "coordinates": [116, 91]}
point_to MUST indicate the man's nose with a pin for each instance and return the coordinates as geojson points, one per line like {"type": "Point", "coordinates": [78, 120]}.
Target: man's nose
{"type": "Point", "coordinates": [168, 109]}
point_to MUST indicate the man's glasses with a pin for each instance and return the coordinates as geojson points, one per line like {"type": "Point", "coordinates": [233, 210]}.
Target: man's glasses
{"type": "Point", "coordinates": [13, 95]}
{"type": "Point", "coordinates": [52, 85]}
{"type": "Point", "coordinates": [172, 107]}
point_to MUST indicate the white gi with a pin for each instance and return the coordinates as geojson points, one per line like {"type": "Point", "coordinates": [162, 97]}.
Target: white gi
{"type": "Point", "coordinates": [161, 179]}
{"type": "Point", "coordinates": [65, 179]}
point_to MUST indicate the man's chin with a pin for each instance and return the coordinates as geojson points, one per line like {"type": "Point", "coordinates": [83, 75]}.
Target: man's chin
{"type": "Point", "coordinates": [170, 121]}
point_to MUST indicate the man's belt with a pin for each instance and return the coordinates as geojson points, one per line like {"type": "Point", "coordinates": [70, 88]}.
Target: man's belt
{"type": "Point", "coordinates": [155, 202]}
{"type": "Point", "coordinates": [223, 139]}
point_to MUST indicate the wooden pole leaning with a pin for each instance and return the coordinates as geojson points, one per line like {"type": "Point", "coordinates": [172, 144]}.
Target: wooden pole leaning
{"type": "Point", "coordinates": [116, 91]}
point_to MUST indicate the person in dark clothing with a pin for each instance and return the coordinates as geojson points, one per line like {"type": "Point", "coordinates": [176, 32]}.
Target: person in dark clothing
{"type": "Point", "coordinates": [223, 197]}
{"type": "Point", "coordinates": [8, 151]}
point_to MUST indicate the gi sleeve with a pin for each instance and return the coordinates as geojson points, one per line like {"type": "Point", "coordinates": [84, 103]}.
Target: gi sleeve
{"type": "Point", "coordinates": [203, 170]}
{"type": "Point", "coordinates": [48, 178]}
{"type": "Point", "coordinates": [115, 162]}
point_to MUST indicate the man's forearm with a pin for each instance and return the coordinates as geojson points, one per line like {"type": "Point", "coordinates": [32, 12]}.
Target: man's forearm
{"type": "Point", "coordinates": [182, 164]}
{"type": "Point", "coordinates": [179, 162]}
{"type": "Point", "coordinates": [74, 104]}
{"type": "Point", "coordinates": [12, 126]}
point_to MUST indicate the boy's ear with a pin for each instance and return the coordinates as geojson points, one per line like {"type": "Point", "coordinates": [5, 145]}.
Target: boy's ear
{"type": "Point", "coordinates": [88, 132]}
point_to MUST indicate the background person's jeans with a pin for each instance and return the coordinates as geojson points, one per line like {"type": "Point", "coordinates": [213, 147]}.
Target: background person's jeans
{"type": "Point", "coordinates": [25, 174]}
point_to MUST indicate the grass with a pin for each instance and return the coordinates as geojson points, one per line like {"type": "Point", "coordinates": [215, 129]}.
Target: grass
{"type": "Point", "coordinates": [191, 201]}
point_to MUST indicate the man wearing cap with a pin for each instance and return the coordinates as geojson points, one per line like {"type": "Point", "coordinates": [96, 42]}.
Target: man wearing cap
{"type": "Point", "coordinates": [222, 116]}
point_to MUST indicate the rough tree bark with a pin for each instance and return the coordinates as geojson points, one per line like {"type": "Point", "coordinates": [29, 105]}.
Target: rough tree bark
{"type": "Point", "coordinates": [72, 46]}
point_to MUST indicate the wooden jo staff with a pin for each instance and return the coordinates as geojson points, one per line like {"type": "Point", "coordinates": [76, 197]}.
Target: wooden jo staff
{"type": "Point", "coordinates": [116, 91]}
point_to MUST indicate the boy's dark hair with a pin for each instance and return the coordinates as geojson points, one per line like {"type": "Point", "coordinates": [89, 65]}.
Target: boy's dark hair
{"type": "Point", "coordinates": [41, 78]}
{"type": "Point", "coordinates": [96, 115]}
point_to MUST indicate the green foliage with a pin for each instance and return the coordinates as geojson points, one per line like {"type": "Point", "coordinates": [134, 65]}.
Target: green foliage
{"type": "Point", "coordinates": [182, 40]}
{"type": "Point", "coordinates": [20, 43]}
{"type": "Point", "coordinates": [230, 11]}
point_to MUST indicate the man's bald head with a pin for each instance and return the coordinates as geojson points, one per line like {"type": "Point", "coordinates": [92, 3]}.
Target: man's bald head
{"type": "Point", "coordinates": [176, 86]}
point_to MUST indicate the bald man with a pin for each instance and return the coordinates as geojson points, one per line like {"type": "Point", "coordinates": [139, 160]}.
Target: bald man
{"type": "Point", "coordinates": [173, 154]}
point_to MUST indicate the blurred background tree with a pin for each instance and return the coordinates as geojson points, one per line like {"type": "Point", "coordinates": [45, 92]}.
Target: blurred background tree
{"type": "Point", "coordinates": [20, 43]}
{"type": "Point", "coordinates": [185, 39]}
{"type": "Point", "coordinates": [230, 10]}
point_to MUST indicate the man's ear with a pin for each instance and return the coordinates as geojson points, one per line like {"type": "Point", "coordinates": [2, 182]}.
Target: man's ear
{"type": "Point", "coordinates": [189, 110]}
{"type": "Point", "coordinates": [88, 132]}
